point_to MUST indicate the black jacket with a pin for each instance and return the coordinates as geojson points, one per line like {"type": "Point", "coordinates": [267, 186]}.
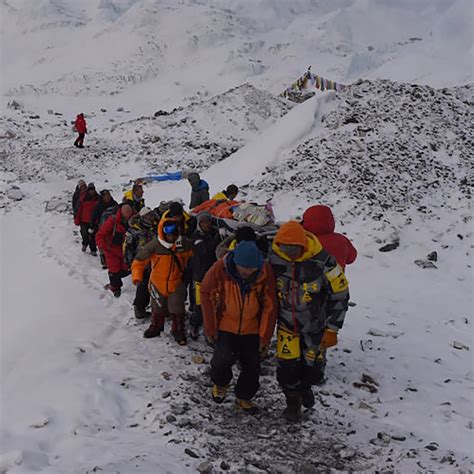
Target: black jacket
{"type": "Point", "coordinates": [204, 252]}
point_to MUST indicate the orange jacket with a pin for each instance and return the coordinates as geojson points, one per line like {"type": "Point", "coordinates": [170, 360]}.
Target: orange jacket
{"type": "Point", "coordinates": [168, 263]}
{"type": "Point", "coordinates": [225, 309]}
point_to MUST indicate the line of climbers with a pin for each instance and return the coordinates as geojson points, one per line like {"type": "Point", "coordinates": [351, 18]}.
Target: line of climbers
{"type": "Point", "coordinates": [241, 286]}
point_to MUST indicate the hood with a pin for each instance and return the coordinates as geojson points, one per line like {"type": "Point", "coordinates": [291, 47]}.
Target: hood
{"type": "Point", "coordinates": [202, 185]}
{"type": "Point", "coordinates": [293, 233]}
{"type": "Point", "coordinates": [161, 234]}
{"type": "Point", "coordinates": [319, 220]}
{"type": "Point", "coordinates": [194, 179]}
{"type": "Point", "coordinates": [202, 215]}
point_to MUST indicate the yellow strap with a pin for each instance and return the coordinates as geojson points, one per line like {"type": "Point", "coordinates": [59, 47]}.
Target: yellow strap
{"type": "Point", "coordinates": [288, 345]}
{"type": "Point", "coordinates": [197, 292]}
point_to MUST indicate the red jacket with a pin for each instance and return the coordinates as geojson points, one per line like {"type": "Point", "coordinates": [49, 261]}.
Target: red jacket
{"type": "Point", "coordinates": [80, 124]}
{"type": "Point", "coordinates": [319, 221]}
{"type": "Point", "coordinates": [84, 212]}
{"type": "Point", "coordinates": [109, 239]}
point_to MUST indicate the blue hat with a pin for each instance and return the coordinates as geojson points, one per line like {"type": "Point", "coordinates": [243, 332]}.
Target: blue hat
{"type": "Point", "coordinates": [246, 254]}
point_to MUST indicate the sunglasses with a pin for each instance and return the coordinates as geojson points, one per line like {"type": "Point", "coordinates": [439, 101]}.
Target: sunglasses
{"type": "Point", "coordinates": [170, 228]}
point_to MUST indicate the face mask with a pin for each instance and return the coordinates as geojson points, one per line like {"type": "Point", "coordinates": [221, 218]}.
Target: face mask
{"type": "Point", "coordinates": [293, 252]}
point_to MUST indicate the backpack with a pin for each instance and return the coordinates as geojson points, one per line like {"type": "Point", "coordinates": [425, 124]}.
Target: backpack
{"type": "Point", "coordinates": [110, 211]}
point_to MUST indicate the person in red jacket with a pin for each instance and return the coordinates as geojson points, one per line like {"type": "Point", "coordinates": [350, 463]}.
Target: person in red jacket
{"type": "Point", "coordinates": [83, 218]}
{"type": "Point", "coordinates": [81, 129]}
{"type": "Point", "coordinates": [110, 239]}
{"type": "Point", "coordinates": [319, 220]}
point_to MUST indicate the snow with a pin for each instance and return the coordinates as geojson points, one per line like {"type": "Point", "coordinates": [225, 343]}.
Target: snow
{"type": "Point", "coordinates": [82, 391]}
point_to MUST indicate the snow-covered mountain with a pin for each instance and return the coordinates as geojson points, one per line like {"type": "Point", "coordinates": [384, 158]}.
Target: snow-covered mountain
{"type": "Point", "coordinates": [170, 50]}
{"type": "Point", "coordinates": [169, 85]}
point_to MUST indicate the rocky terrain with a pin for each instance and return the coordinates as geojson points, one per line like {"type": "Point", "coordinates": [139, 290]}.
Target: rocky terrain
{"type": "Point", "coordinates": [386, 147]}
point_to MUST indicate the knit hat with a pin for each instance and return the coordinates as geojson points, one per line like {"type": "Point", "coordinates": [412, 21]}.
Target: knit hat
{"type": "Point", "coordinates": [80, 183]}
{"type": "Point", "coordinates": [246, 254]}
{"type": "Point", "coordinates": [245, 233]}
{"type": "Point", "coordinates": [232, 189]}
{"type": "Point", "coordinates": [291, 233]}
{"type": "Point", "coordinates": [91, 186]}
{"type": "Point", "coordinates": [144, 211]}
{"type": "Point", "coordinates": [176, 209]}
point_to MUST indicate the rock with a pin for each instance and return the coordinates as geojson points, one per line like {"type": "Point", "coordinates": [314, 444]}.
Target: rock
{"type": "Point", "coordinates": [183, 422]}
{"type": "Point", "coordinates": [366, 406]}
{"type": "Point", "coordinates": [399, 437]}
{"type": "Point", "coordinates": [197, 359]}
{"type": "Point", "coordinates": [347, 453]}
{"type": "Point", "coordinates": [50, 111]}
{"type": "Point", "coordinates": [225, 466]}
{"type": "Point", "coordinates": [432, 256]}
{"type": "Point", "coordinates": [389, 247]}
{"type": "Point", "coordinates": [120, 109]}
{"type": "Point", "coordinates": [13, 104]}
{"type": "Point", "coordinates": [40, 423]}
{"type": "Point", "coordinates": [384, 437]}
{"type": "Point", "coordinates": [460, 346]}
{"type": "Point", "coordinates": [166, 375]}
{"type": "Point", "coordinates": [9, 134]}
{"type": "Point", "coordinates": [170, 418]}
{"type": "Point", "coordinates": [57, 204]}
{"type": "Point", "coordinates": [15, 194]}
{"type": "Point", "coordinates": [368, 379]}
{"type": "Point", "coordinates": [433, 446]}
{"type": "Point", "coordinates": [205, 467]}
{"type": "Point", "coordinates": [191, 453]}
{"type": "Point", "coordinates": [166, 394]}
{"type": "Point", "coordinates": [425, 264]}
{"type": "Point", "coordinates": [160, 113]}
{"type": "Point", "coordinates": [366, 386]}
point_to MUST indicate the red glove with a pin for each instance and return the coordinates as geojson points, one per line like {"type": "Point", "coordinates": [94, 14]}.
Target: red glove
{"type": "Point", "coordinates": [329, 339]}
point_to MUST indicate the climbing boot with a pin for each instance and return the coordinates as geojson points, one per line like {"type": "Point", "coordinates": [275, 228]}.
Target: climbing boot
{"type": "Point", "coordinates": [307, 398]}
{"type": "Point", "coordinates": [246, 406]}
{"type": "Point", "coordinates": [194, 332]}
{"type": "Point", "coordinates": [219, 393]}
{"type": "Point", "coordinates": [140, 313]}
{"type": "Point", "coordinates": [292, 411]}
{"type": "Point", "coordinates": [156, 327]}
{"type": "Point", "coordinates": [177, 329]}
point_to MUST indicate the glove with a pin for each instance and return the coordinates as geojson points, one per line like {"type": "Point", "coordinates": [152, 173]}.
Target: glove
{"type": "Point", "coordinates": [211, 340]}
{"type": "Point", "coordinates": [329, 338]}
{"type": "Point", "coordinates": [223, 232]}
{"type": "Point", "coordinates": [263, 349]}
{"type": "Point", "coordinates": [136, 282]}
{"type": "Point", "coordinates": [91, 230]}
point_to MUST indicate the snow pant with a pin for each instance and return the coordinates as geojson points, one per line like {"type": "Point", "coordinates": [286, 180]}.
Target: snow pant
{"type": "Point", "coordinates": [80, 140]}
{"type": "Point", "coordinates": [116, 279]}
{"type": "Point", "coordinates": [142, 294]}
{"type": "Point", "coordinates": [87, 238]}
{"type": "Point", "coordinates": [298, 374]}
{"type": "Point", "coordinates": [230, 348]}
{"type": "Point", "coordinates": [172, 305]}
{"type": "Point", "coordinates": [196, 315]}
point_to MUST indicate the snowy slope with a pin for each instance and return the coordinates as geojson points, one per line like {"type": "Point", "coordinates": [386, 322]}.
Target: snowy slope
{"type": "Point", "coordinates": [107, 399]}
